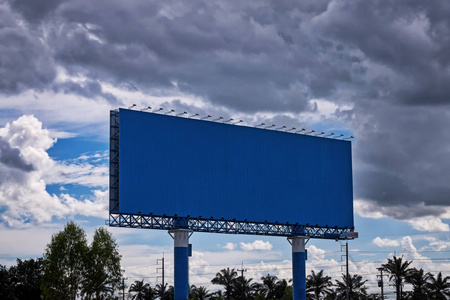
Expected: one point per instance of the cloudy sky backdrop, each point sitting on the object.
(378, 70)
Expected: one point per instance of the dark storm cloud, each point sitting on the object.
(389, 60)
(25, 61)
(12, 158)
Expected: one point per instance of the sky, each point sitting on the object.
(376, 70)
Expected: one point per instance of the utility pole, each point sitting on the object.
(346, 270)
(380, 283)
(123, 288)
(242, 276)
(162, 275)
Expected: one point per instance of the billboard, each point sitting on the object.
(176, 166)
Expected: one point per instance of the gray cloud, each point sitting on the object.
(11, 157)
(389, 60)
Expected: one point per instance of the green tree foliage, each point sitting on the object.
(226, 278)
(6, 291)
(26, 278)
(318, 284)
(272, 288)
(419, 280)
(64, 263)
(102, 274)
(355, 286)
(137, 289)
(243, 288)
(439, 287)
(200, 293)
(398, 271)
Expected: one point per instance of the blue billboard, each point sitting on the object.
(175, 166)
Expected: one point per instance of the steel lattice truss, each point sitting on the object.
(114, 162)
(226, 226)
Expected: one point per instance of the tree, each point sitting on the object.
(398, 271)
(227, 278)
(244, 288)
(64, 263)
(354, 285)
(439, 287)
(6, 291)
(26, 278)
(272, 288)
(318, 284)
(138, 289)
(167, 291)
(102, 273)
(419, 280)
(200, 293)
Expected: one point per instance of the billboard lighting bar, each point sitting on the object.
(273, 125)
(280, 128)
(148, 107)
(312, 131)
(240, 121)
(293, 128)
(301, 130)
(183, 113)
(194, 116)
(338, 136)
(219, 118)
(228, 121)
(157, 110)
(132, 106)
(262, 124)
(319, 134)
(348, 138)
(328, 135)
(169, 112)
(204, 118)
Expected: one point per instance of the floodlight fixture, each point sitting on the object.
(180, 114)
(279, 128)
(328, 135)
(219, 118)
(301, 130)
(348, 138)
(262, 124)
(158, 109)
(204, 118)
(148, 107)
(273, 125)
(169, 112)
(194, 115)
(319, 134)
(312, 131)
(132, 106)
(240, 121)
(287, 130)
(338, 136)
(228, 120)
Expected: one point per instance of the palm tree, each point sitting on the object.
(244, 288)
(354, 285)
(419, 281)
(227, 278)
(138, 288)
(272, 288)
(439, 287)
(200, 293)
(318, 284)
(163, 292)
(398, 270)
(150, 293)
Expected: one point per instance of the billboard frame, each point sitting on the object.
(164, 222)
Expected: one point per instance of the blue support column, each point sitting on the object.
(181, 278)
(298, 267)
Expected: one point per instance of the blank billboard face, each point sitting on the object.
(186, 167)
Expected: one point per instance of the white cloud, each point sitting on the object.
(23, 193)
(429, 223)
(256, 245)
(315, 253)
(385, 242)
(230, 246)
(367, 209)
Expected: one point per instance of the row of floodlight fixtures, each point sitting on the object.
(262, 125)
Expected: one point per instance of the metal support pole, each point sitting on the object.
(298, 267)
(346, 270)
(181, 278)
